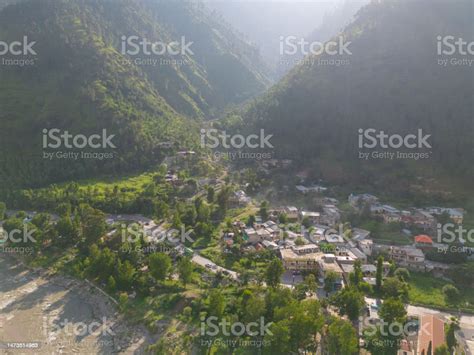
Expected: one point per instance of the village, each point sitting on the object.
(323, 243)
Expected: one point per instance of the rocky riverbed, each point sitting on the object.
(42, 314)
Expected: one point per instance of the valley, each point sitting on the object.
(190, 177)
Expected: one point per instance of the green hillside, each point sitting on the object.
(392, 82)
(79, 80)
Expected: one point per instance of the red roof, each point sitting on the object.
(431, 331)
(423, 239)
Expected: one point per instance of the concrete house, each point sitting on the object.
(313, 217)
(408, 256)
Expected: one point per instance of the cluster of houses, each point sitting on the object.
(424, 218)
(308, 189)
(172, 178)
(179, 157)
(268, 234)
(331, 252)
(316, 246)
(319, 247)
(266, 166)
(240, 198)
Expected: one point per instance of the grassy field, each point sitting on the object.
(128, 185)
(393, 239)
(386, 233)
(427, 290)
(125, 182)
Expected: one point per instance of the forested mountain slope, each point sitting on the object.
(80, 75)
(393, 80)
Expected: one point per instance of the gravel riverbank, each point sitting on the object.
(42, 314)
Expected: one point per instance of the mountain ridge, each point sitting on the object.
(391, 82)
(80, 81)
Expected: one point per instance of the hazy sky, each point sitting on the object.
(265, 21)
